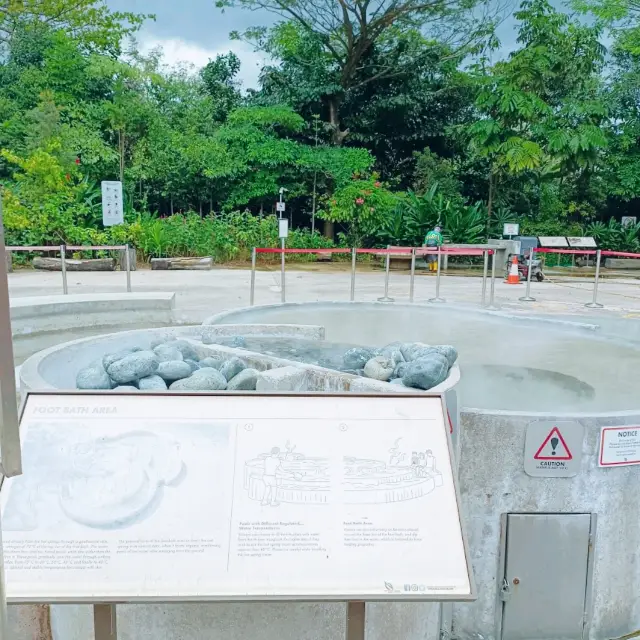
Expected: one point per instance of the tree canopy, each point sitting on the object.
(381, 117)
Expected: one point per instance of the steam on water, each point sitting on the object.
(505, 364)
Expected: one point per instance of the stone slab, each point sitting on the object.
(282, 379)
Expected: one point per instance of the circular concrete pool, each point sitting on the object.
(507, 364)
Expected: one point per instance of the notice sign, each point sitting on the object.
(511, 229)
(553, 449)
(112, 203)
(619, 446)
(557, 242)
(233, 497)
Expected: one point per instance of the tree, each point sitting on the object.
(355, 42)
(542, 109)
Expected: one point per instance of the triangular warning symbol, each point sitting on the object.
(554, 447)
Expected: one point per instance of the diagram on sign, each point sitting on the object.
(105, 483)
(554, 447)
(288, 476)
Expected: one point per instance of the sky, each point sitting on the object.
(195, 31)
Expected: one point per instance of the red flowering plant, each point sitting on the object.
(362, 204)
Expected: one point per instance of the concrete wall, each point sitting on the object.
(493, 482)
(57, 313)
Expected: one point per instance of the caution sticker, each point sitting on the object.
(553, 449)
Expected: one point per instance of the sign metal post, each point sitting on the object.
(283, 231)
(527, 296)
(10, 454)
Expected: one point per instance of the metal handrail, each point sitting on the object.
(62, 249)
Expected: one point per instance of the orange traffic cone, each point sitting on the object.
(514, 276)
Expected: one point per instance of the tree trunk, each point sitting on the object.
(337, 138)
(201, 208)
(171, 204)
(490, 202)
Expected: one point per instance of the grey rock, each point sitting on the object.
(126, 387)
(392, 351)
(186, 349)
(93, 377)
(231, 368)
(133, 367)
(397, 381)
(424, 352)
(214, 362)
(246, 380)
(168, 352)
(379, 368)
(173, 370)
(110, 358)
(193, 364)
(357, 357)
(449, 352)
(400, 370)
(202, 380)
(238, 341)
(426, 373)
(158, 341)
(408, 349)
(152, 383)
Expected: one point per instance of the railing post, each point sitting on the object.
(63, 268)
(253, 277)
(413, 274)
(386, 297)
(127, 262)
(485, 272)
(594, 304)
(354, 257)
(493, 283)
(438, 298)
(527, 296)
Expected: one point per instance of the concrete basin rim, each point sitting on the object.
(218, 318)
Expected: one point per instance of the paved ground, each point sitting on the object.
(203, 293)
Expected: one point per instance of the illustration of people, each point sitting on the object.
(272, 464)
(430, 461)
(273, 470)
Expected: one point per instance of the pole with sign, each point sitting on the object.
(283, 232)
(511, 229)
(112, 203)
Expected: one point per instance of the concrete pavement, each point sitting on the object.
(202, 293)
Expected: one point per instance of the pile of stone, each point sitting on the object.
(412, 364)
(173, 365)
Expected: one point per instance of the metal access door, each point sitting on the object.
(545, 588)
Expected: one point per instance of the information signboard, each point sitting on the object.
(112, 203)
(553, 242)
(283, 228)
(511, 229)
(582, 243)
(619, 446)
(144, 497)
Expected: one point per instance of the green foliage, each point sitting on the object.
(614, 237)
(362, 204)
(226, 237)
